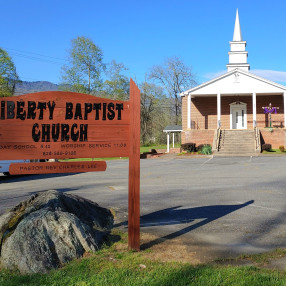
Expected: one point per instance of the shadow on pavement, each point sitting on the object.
(63, 190)
(21, 178)
(172, 216)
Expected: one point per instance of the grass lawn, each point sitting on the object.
(91, 159)
(147, 148)
(142, 150)
(274, 151)
(115, 265)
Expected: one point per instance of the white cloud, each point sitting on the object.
(276, 76)
(212, 75)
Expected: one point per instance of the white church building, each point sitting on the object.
(234, 102)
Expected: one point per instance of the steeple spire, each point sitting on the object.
(237, 53)
(237, 37)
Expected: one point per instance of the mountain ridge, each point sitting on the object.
(24, 87)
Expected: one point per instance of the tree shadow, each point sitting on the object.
(28, 194)
(174, 215)
(21, 178)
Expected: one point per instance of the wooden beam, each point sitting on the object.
(134, 170)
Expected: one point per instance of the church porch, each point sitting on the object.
(207, 113)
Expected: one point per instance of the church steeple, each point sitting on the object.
(237, 37)
(237, 54)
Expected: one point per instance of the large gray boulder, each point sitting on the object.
(50, 229)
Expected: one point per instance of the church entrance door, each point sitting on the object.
(238, 116)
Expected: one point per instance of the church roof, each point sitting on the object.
(173, 128)
(236, 82)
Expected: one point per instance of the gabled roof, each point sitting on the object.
(173, 128)
(236, 81)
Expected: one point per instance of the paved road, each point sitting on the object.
(217, 206)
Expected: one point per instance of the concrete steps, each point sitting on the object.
(237, 142)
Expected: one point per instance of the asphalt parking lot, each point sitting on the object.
(218, 207)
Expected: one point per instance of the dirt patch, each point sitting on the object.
(169, 250)
(175, 250)
(178, 250)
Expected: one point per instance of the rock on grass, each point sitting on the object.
(50, 229)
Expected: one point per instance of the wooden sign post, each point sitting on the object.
(134, 170)
(60, 125)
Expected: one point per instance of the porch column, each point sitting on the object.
(173, 140)
(284, 97)
(189, 111)
(168, 142)
(254, 109)
(218, 110)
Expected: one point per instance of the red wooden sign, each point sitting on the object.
(58, 125)
(56, 167)
(51, 125)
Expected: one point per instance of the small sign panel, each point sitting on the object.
(56, 167)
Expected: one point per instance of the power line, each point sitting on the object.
(35, 58)
(37, 54)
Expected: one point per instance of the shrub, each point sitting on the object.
(281, 148)
(267, 147)
(207, 149)
(189, 147)
(200, 147)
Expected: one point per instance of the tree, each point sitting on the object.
(175, 77)
(153, 117)
(117, 86)
(8, 75)
(83, 73)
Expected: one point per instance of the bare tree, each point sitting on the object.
(153, 117)
(175, 77)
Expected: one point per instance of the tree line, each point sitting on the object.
(86, 72)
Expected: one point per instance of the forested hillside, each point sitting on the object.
(24, 87)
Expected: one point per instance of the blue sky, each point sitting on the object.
(140, 34)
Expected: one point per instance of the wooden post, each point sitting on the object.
(168, 142)
(134, 170)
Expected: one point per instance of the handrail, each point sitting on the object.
(216, 140)
(257, 140)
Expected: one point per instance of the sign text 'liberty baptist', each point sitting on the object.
(64, 132)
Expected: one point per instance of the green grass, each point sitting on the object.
(106, 268)
(274, 151)
(265, 257)
(147, 148)
(142, 150)
(92, 159)
(115, 266)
